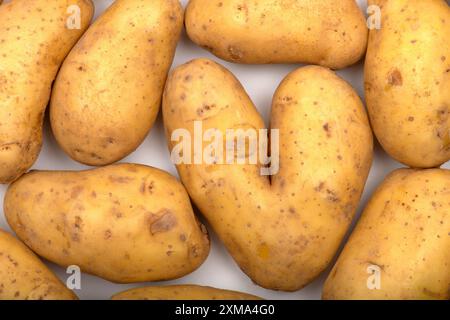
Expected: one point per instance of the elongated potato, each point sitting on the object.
(24, 277)
(282, 232)
(34, 39)
(403, 237)
(407, 77)
(125, 223)
(183, 292)
(329, 33)
(108, 92)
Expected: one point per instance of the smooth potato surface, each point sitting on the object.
(108, 92)
(405, 232)
(125, 223)
(328, 33)
(407, 81)
(183, 292)
(24, 277)
(282, 232)
(34, 40)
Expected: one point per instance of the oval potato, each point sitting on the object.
(124, 223)
(404, 237)
(328, 33)
(282, 232)
(407, 81)
(182, 292)
(108, 92)
(24, 277)
(34, 38)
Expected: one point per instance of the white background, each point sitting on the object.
(219, 270)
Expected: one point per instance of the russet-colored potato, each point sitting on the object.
(34, 40)
(404, 232)
(407, 80)
(24, 277)
(124, 223)
(328, 33)
(108, 92)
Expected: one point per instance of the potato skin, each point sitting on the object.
(24, 277)
(407, 76)
(183, 292)
(108, 92)
(328, 33)
(125, 223)
(282, 234)
(405, 231)
(34, 41)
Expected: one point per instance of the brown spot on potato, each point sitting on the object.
(235, 53)
(395, 78)
(76, 191)
(164, 223)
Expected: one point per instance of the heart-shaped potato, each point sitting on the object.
(283, 231)
(124, 223)
(35, 37)
(325, 32)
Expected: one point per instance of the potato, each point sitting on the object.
(407, 76)
(125, 223)
(108, 92)
(404, 236)
(34, 38)
(24, 277)
(183, 292)
(282, 231)
(328, 33)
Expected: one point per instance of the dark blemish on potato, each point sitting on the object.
(93, 194)
(76, 191)
(164, 223)
(443, 58)
(108, 234)
(182, 237)
(187, 78)
(410, 119)
(326, 127)
(395, 78)
(332, 196)
(235, 53)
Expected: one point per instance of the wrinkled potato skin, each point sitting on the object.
(407, 80)
(34, 40)
(24, 277)
(108, 92)
(124, 223)
(282, 234)
(405, 231)
(183, 292)
(327, 33)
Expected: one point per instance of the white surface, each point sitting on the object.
(219, 270)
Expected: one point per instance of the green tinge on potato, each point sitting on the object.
(404, 236)
(182, 292)
(407, 81)
(125, 223)
(324, 32)
(283, 231)
(24, 277)
(34, 40)
(108, 92)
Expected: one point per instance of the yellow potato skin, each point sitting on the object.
(24, 277)
(285, 232)
(328, 33)
(34, 40)
(183, 292)
(108, 92)
(405, 231)
(124, 223)
(407, 76)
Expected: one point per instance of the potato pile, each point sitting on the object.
(283, 220)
